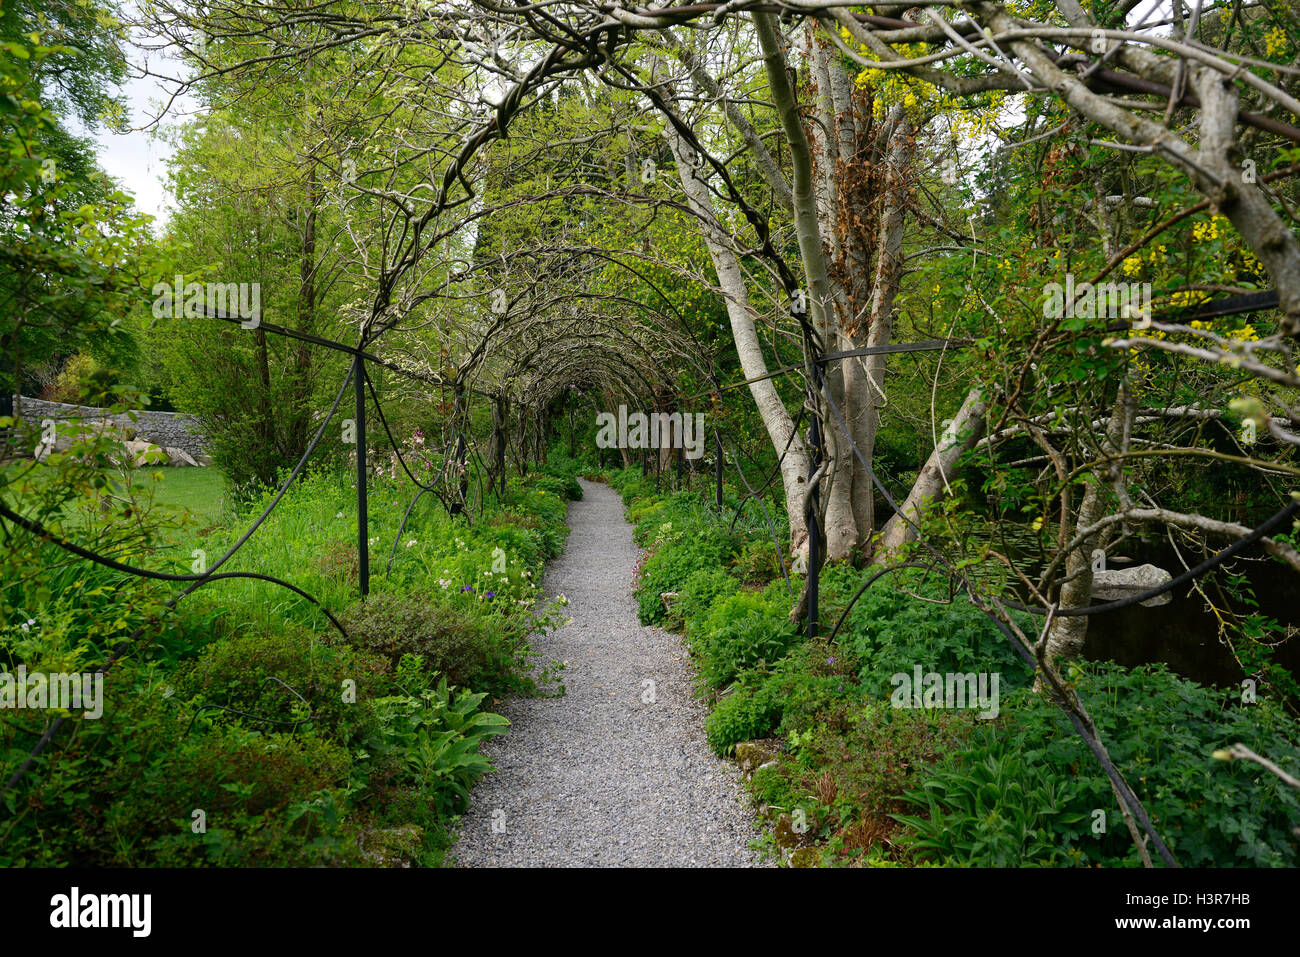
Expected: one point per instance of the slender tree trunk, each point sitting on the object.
(841, 531)
(966, 429)
(731, 280)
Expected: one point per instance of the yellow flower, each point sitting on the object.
(1275, 42)
(1132, 266)
(1210, 230)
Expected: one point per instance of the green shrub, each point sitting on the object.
(430, 740)
(890, 631)
(678, 554)
(741, 716)
(849, 760)
(286, 680)
(739, 604)
(255, 791)
(758, 640)
(996, 812)
(645, 511)
(758, 561)
(631, 484)
(700, 591)
(1161, 731)
(815, 683)
(470, 650)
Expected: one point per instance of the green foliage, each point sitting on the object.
(701, 590)
(999, 812)
(60, 218)
(816, 683)
(739, 717)
(252, 788)
(467, 648)
(738, 642)
(758, 561)
(1161, 731)
(303, 748)
(430, 740)
(677, 553)
(891, 631)
(564, 469)
(287, 680)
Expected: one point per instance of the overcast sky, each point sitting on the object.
(138, 159)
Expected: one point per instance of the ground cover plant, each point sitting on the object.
(248, 731)
(868, 783)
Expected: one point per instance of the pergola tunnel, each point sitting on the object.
(906, 395)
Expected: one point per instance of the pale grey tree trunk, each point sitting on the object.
(841, 530)
(966, 429)
(731, 280)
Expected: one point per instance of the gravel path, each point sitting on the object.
(604, 776)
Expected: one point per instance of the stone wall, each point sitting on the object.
(165, 429)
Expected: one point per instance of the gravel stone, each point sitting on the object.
(602, 777)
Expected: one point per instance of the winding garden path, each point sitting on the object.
(604, 776)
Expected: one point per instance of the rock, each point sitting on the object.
(751, 756)
(179, 456)
(142, 454)
(69, 432)
(805, 857)
(785, 834)
(1116, 583)
(394, 846)
(164, 429)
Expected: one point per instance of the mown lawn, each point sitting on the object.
(191, 495)
(201, 491)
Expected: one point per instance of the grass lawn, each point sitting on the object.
(201, 491)
(197, 495)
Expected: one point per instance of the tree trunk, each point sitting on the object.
(965, 430)
(776, 418)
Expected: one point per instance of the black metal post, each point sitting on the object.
(462, 444)
(814, 508)
(458, 405)
(363, 540)
(718, 468)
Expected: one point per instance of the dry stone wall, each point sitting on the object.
(165, 429)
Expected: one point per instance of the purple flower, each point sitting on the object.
(491, 594)
(830, 661)
(467, 588)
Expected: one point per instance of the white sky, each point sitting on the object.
(137, 159)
